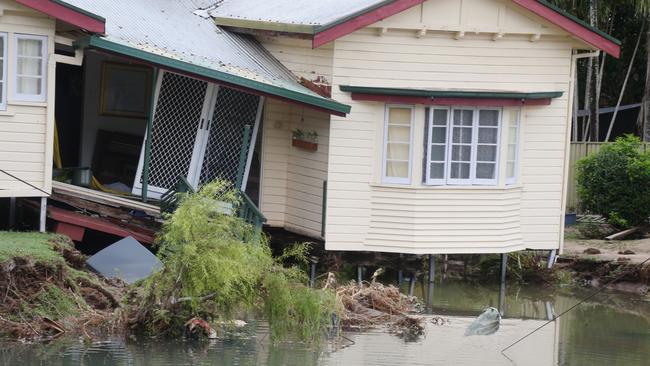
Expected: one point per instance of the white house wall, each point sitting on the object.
(292, 179)
(26, 128)
(364, 214)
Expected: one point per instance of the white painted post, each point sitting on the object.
(12, 212)
(43, 216)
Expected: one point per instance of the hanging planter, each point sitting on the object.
(306, 141)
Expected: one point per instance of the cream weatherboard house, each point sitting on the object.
(443, 125)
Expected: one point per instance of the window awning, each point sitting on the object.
(450, 97)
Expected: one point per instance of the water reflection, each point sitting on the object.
(610, 330)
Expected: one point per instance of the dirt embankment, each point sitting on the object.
(45, 292)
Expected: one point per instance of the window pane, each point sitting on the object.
(397, 169)
(437, 171)
(439, 117)
(510, 169)
(485, 171)
(438, 152)
(438, 135)
(461, 153)
(397, 152)
(28, 85)
(486, 153)
(487, 135)
(512, 135)
(30, 47)
(399, 134)
(467, 119)
(460, 170)
(399, 116)
(2, 46)
(488, 118)
(512, 152)
(29, 66)
(462, 135)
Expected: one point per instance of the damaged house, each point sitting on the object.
(409, 126)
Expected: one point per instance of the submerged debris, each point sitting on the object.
(487, 323)
(373, 304)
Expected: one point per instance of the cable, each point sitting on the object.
(574, 306)
(20, 180)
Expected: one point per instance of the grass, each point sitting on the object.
(38, 246)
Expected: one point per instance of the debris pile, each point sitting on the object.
(45, 294)
(371, 304)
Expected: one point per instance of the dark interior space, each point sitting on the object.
(68, 111)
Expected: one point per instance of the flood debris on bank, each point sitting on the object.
(371, 304)
(45, 291)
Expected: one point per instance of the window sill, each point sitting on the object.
(448, 187)
(27, 104)
(7, 113)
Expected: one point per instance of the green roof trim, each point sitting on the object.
(80, 10)
(316, 101)
(449, 93)
(579, 21)
(263, 25)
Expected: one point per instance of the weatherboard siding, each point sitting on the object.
(364, 214)
(26, 129)
(292, 179)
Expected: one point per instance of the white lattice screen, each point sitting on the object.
(197, 132)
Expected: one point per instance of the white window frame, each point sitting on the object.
(436, 181)
(5, 50)
(513, 180)
(472, 180)
(30, 97)
(384, 177)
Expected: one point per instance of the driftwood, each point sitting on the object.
(623, 234)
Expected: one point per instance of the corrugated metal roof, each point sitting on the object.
(311, 13)
(171, 29)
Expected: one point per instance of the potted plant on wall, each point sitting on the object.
(304, 140)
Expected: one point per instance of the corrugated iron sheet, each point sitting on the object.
(170, 28)
(298, 12)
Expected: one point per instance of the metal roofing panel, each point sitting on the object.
(299, 12)
(170, 28)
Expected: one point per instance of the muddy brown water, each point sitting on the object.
(610, 329)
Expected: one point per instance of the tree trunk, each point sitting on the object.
(594, 118)
(645, 107)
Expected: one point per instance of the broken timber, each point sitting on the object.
(623, 234)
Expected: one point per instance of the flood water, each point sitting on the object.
(610, 329)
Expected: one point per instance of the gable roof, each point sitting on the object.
(168, 33)
(68, 13)
(327, 20)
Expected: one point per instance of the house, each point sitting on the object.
(443, 125)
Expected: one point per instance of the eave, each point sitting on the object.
(68, 13)
(219, 77)
(450, 97)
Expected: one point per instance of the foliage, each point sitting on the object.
(592, 230)
(615, 182)
(299, 134)
(216, 267)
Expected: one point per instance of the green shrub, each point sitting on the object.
(217, 268)
(615, 182)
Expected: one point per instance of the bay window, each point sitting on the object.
(462, 146)
(31, 63)
(398, 134)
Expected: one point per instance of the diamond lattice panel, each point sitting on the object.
(232, 111)
(175, 125)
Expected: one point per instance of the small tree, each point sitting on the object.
(615, 182)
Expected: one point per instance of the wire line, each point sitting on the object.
(20, 180)
(574, 306)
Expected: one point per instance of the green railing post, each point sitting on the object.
(147, 142)
(324, 209)
(243, 155)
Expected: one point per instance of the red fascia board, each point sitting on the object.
(66, 14)
(93, 223)
(571, 27)
(479, 102)
(362, 20)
